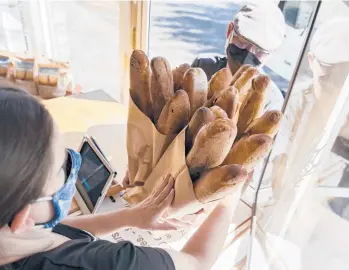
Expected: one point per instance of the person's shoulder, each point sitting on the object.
(210, 63)
(210, 58)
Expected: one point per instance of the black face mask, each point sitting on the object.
(238, 57)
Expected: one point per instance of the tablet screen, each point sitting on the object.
(92, 177)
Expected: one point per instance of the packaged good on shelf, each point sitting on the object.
(5, 65)
(48, 81)
(24, 69)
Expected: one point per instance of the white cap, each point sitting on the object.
(263, 24)
(330, 43)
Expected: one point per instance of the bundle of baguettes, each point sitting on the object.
(217, 130)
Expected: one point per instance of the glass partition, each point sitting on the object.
(303, 221)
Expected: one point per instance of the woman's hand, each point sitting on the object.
(149, 213)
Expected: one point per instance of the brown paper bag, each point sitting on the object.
(142, 136)
(173, 162)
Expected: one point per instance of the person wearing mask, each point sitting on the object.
(37, 184)
(253, 35)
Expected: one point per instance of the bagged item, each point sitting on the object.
(48, 80)
(4, 66)
(24, 69)
(65, 77)
(173, 162)
(142, 134)
(195, 155)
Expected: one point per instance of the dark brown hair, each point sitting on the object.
(26, 130)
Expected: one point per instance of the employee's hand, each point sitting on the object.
(149, 213)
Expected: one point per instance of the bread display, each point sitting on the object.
(249, 150)
(238, 73)
(140, 82)
(219, 81)
(175, 115)
(178, 74)
(219, 182)
(252, 107)
(267, 124)
(211, 146)
(195, 84)
(161, 84)
(219, 112)
(201, 117)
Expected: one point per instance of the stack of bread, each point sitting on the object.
(210, 134)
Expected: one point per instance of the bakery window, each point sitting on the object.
(82, 34)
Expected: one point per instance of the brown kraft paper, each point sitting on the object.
(173, 162)
(142, 137)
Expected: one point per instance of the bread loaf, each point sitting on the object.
(219, 182)
(161, 85)
(243, 83)
(211, 146)
(249, 150)
(267, 124)
(178, 74)
(219, 112)
(228, 100)
(195, 84)
(140, 82)
(252, 107)
(201, 117)
(238, 73)
(175, 115)
(219, 81)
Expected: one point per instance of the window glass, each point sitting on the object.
(305, 217)
(83, 33)
(180, 31)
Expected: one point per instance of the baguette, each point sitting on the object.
(195, 84)
(249, 150)
(228, 100)
(178, 74)
(243, 83)
(238, 73)
(252, 107)
(175, 115)
(219, 81)
(219, 112)
(211, 146)
(219, 182)
(267, 124)
(161, 85)
(140, 82)
(201, 117)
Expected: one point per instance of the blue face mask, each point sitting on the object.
(62, 199)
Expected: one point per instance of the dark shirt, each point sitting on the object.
(210, 63)
(85, 251)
